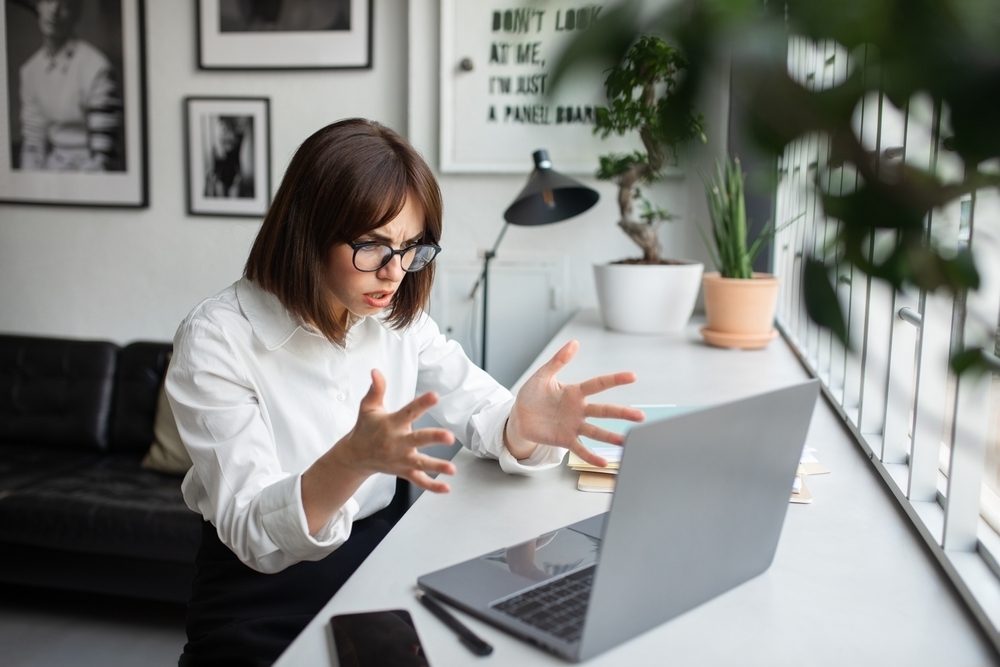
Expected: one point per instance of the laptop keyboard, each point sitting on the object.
(557, 607)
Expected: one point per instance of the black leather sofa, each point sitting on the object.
(76, 509)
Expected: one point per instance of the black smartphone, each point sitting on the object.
(377, 639)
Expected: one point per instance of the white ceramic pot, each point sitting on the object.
(647, 298)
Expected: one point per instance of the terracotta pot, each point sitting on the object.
(739, 313)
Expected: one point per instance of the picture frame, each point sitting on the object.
(496, 105)
(73, 105)
(250, 36)
(228, 155)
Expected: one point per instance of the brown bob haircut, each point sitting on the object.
(344, 181)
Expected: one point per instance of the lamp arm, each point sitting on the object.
(487, 256)
(503, 230)
(483, 277)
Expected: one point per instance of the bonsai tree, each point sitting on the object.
(640, 92)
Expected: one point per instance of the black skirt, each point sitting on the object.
(238, 616)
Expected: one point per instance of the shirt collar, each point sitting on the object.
(63, 55)
(270, 320)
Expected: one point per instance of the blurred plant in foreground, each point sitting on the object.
(947, 51)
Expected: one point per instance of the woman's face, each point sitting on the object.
(366, 293)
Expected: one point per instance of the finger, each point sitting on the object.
(587, 455)
(603, 382)
(426, 483)
(602, 435)
(434, 465)
(412, 411)
(561, 358)
(608, 411)
(373, 399)
(423, 437)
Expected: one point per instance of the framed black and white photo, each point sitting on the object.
(228, 155)
(72, 113)
(496, 102)
(284, 34)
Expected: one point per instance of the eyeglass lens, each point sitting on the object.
(373, 256)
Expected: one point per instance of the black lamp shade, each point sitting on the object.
(549, 196)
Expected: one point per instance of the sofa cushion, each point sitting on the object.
(109, 507)
(141, 367)
(21, 465)
(167, 453)
(56, 393)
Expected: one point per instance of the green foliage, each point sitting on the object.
(730, 230)
(821, 299)
(947, 51)
(975, 360)
(642, 96)
(615, 165)
(649, 212)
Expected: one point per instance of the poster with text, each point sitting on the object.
(496, 108)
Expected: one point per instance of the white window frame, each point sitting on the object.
(891, 388)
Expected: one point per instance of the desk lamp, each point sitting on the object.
(547, 197)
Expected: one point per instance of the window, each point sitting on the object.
(934, 437)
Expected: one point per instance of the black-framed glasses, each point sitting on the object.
(373, 255)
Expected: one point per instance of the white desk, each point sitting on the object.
(851, 583)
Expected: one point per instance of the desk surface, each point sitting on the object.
(851, 581)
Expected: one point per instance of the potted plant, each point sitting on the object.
(648, 294)
(739, 303)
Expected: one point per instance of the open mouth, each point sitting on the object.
(378, 299)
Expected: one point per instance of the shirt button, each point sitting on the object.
(340, 396)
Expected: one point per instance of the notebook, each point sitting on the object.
(665, 546)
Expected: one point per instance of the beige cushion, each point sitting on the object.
(167, 453)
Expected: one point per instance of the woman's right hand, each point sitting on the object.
(386, 442)
(380, 441)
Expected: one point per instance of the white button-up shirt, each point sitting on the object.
(258, 397)
(70, 108)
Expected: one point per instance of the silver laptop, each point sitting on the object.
(698, 507)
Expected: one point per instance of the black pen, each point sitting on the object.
(469, 638)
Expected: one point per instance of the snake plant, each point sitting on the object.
(727, 208)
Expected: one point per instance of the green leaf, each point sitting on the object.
(713, 253)
(974, 360)
(821, 299)
(866, 208)
(973, 106)
(602, 45)
(961, 271)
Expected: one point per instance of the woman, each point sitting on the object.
(295, 389)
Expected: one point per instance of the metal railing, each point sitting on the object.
(926, 431)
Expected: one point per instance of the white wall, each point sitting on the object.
(474, 204)
(133, 274)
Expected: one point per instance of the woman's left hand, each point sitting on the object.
(546, 411)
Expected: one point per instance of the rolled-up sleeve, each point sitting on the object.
(33, 121)
(471, 403)
(254, 504)
(104, 113)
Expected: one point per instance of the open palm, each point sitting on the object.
(549, 412)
